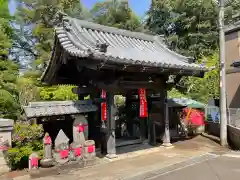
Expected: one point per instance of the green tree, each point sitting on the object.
(190, 26)
(205, 88)
(36, 19)
(9, 107)
(40, 16)
(115, 13)
(57, 93)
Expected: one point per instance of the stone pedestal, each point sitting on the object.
(89, 153)
(6, 127)
(111, 138)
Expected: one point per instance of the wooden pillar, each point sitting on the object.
(111, 138)
(129, 114)
(151, 125)
(80, 97)
(143, 129)
(166, 137)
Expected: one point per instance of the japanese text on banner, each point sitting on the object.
(142, 103)
(103, 107)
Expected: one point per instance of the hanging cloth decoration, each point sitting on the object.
(103, 106)
(142, 103)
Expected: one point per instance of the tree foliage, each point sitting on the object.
(26, 139)
(57, 93)
(203, 89)
(116, 14)
(37, 20)
(191, 28)
(9, 107)
(40, 16)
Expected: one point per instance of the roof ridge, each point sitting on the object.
(113, 30)
(59, 103)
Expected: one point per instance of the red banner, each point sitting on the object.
(142, 103)
(103, 107)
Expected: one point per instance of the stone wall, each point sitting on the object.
(234, 137)
(6, 127)
(213, 128)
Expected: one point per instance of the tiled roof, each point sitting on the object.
(232, 27)
(51, 108)
(79, 38)
(180, 102)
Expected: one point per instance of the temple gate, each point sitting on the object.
(138, 66)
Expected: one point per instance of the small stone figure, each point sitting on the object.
(78, 133)
(76, 152)
(47, 160)
(61, 148)
(89, 150)
(33, 161)
(80, 129)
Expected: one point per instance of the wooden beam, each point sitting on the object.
(84, 90)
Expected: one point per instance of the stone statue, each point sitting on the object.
(76, 153)
(33, 161)
(80, 129)
(89, 150)
(61, 148)
(47, 160)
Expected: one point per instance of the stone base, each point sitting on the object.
(111, 156)
(167, 145)
(46, 163)
(3, 166)
(90, 162)
(4, 169)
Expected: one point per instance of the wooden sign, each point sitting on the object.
(142, 103)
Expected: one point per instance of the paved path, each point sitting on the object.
(153, 164)
(137, 166)
(215, 168)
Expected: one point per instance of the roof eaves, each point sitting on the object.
(232, 27)
(43, 76)
(70, 47)
(158, 41)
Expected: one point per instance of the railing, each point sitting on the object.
(212, 114)
(233, 128)
(233, 115)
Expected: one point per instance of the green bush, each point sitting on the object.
(26, 139)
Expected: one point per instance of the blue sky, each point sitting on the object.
(138, 6)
